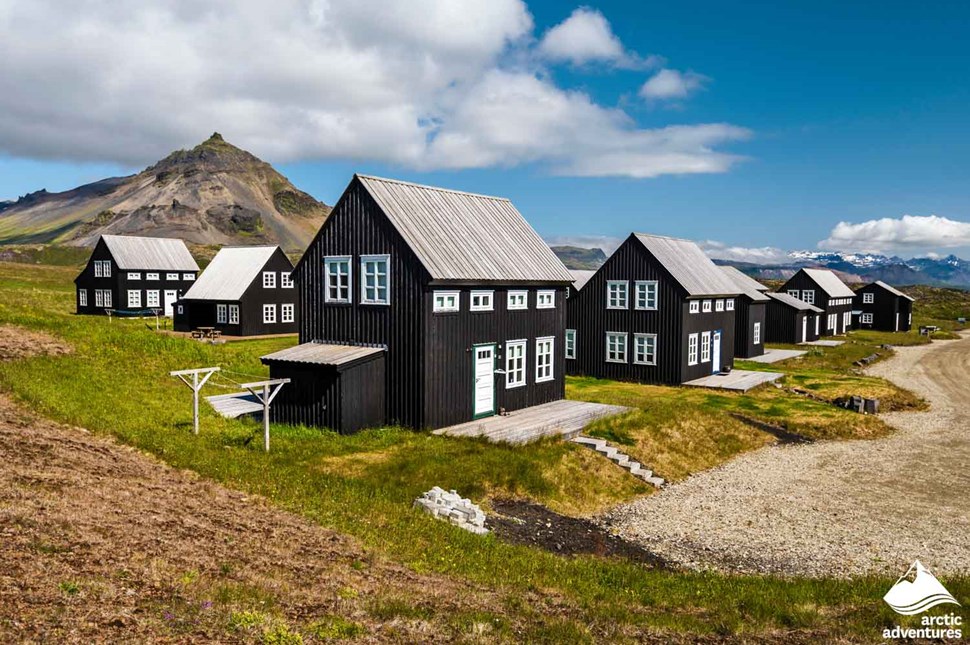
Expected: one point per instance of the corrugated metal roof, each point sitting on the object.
(581, 277)
(748, 285)
(830, 283)
(689, 266)
(315, 353)
(463, 236)
(894, 290)
(794, 302)
(230, 273)
(159, 253)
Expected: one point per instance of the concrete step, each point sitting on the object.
(620, 459)
(656, 482)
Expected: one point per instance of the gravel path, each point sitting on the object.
(834, 508)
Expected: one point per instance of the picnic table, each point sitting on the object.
(206, 332)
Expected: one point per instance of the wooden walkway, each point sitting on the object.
(774, 355)
(559, 418)
(736, 380)
(826, 343)
(235, 405)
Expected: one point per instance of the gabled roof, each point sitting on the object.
(748, 285)
(893, 290)
(466, 237)
(793, 302)
(581, 277)
(150, 253)
(689, 266)
(829, 283)
(316, 353)
(230, 273)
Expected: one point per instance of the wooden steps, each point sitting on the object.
(620, 459)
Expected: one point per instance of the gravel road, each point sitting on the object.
(834, 508)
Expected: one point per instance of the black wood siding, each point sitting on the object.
(802, 282)
(784, 324)
(747, 313)
(884, 309)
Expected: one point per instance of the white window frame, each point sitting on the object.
(729, 304)
(134, 275)
(515, 360)
(866, 319)
(222, 314)
(98, 273)
(868, 298)
(153, 298)
(617, 291)
(795, 293)
(808, 295)
(337, 261)
(286, 280)
(570, 343)
(719, 305)
(151, 276)
(444, 307)
(108, 298)
(517, 300)
(756, 333)
(647, 289)
(134, 298)
(269, 314)
(692, 342)
(486, 301)
(621, 338)
(377, 300)
(546, 299)
(287, 312)
(706, 306)
(179, 309)
(82, 297)
(171, 276)
(545, 371)
(833, 322)
(102, 268)
(847, 319)
(233, 314)
(641, 339)
(188, 277)
(269, 279)
(706, 347)
(695, 306)
(98, 297)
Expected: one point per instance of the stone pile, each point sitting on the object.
(449, 505)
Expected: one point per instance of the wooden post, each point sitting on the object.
(195, 385)
(265, 392)
(266, 417)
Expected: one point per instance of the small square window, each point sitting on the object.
(808, 295)
(134, 298)
(233, 314)
(695, 306)
(338, 279)
(645, 349)
(646, 294)
(286, 280)
(134, 275)
(706, 306)
(286, 313)
(482, 300)
(171, 276)
(222, 314)
(446, 301)
(718, 305)
(545, 299)
(152, 298)
(518, 300)
(868, 298)
(375, 287)
(729, 304)
(615, 347)
(151, 276)
(617, 294)
(269, 314)
(188, 277)
(269, 279)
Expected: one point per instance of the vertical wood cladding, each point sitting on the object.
(746, 314)
(671, 322)
(784, 324)
(802, 282)
(884, 309)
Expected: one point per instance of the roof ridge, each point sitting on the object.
(666, 237)
(435, 188)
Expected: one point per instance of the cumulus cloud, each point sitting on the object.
(905, 233)
(419, 83)
(755, 255)
(587, 37)
(668, 84)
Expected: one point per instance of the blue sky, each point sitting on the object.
(853, 112)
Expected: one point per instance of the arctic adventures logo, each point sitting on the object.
(915, 592)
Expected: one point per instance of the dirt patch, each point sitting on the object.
(17, 342)
(535, 525)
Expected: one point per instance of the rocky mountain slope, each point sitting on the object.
(214, 193)
(575, 257)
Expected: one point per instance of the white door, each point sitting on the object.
(804, 329)
(484, 380)
(170, 297)
(716, 352)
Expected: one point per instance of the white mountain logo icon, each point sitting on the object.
(914, 597)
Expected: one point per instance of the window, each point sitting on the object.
(866, 319)
(188, 277)
(446, 301)
(151, 276)
(337, 270)
(706, 347)
(107, 298)
(482, 300)
(545, 299)
(374, 274)
(615, 347)
(286, 280)
(269, 279)
(134, 298)
(82, 297)
(729, 304)
(518, 300)
(233, 314)
(286, 313)
(98, 272)
(171, 276)
(868, 298)
(222, 314)
(570, 343)
(152, 298)
(616, 294)
(706, 306)
(695, 306)
(544, 359)
(808, 295)
(645, 349)
(102, 297)
(646, 294)
(692, 349)
(847, 319)
(795, 293)
(718, 305)
(134, 275)
(180, 310)
(757, 333)
(269, 314)
(102, 268)
(833, 321)
(514, 363)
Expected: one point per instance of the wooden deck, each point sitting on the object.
(736, 380)
(559, 418)
(235, 405)
(775, 355)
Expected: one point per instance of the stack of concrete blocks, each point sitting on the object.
(449, 505)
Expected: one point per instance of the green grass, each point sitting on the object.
(116, 383)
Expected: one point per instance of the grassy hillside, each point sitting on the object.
(575, 257)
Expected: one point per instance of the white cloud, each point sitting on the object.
(587, 37)
(670, 84)
(905, 233)
(419, 83)
(755, 255)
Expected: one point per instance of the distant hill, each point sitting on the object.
(575, 257)
(214, 193)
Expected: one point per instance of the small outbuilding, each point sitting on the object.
(883, 307)
(824, 289)
(750, 314)
(791, 320)
(245, 291)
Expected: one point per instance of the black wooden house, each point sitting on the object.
(580, 278)
(822, 288)
(455, 302)
(134, 275)
(245, 291)
(883, 307)
(658, 311)
(792, 320)
(750, 313)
